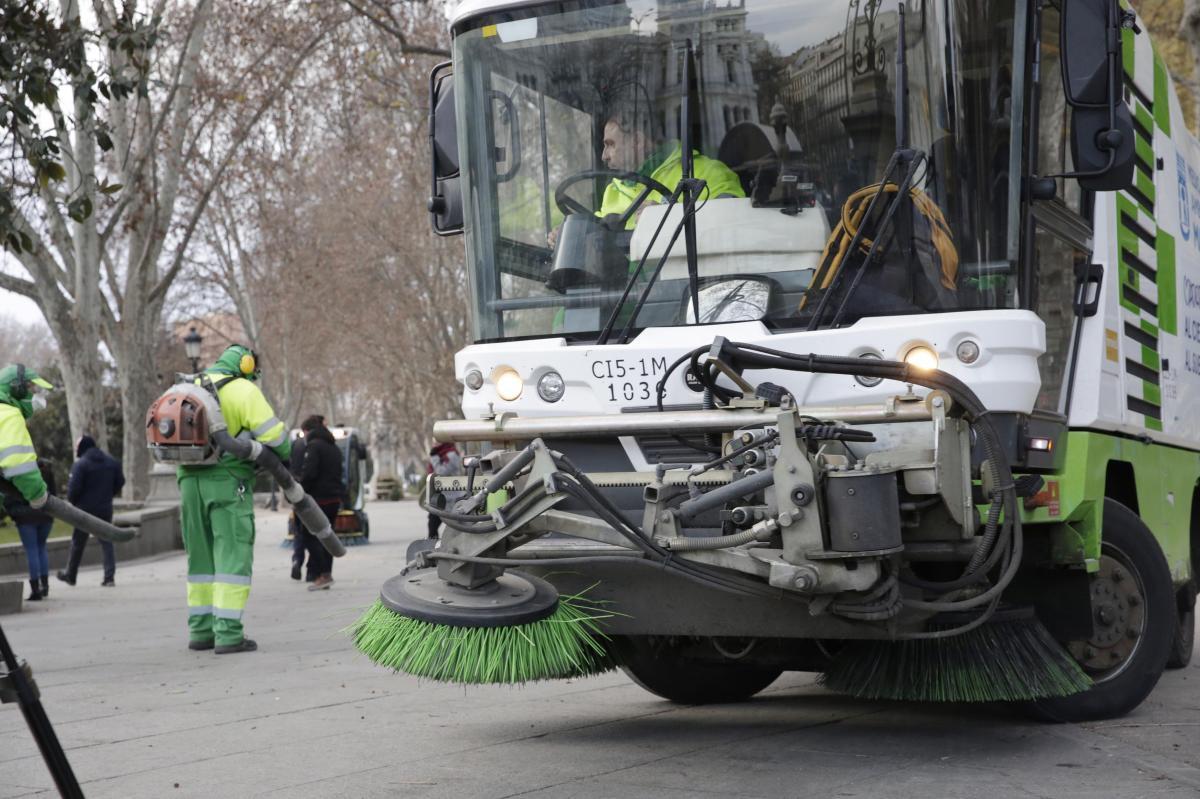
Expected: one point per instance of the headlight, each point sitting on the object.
(508, 383)
(474, 380)
(869, 382)
(551, 387)
(921, 357)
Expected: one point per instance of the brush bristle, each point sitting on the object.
(565, 644)
(1004, 661)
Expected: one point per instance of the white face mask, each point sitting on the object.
(39, 402)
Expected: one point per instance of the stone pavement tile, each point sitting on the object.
(972, 781)
(29, 773)
(385, 782)
(600, 789)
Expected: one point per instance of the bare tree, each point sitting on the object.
(396, 18)
(105, 278)
(321, 242)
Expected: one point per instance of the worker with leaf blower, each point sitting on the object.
(218, 508)
(20, 397)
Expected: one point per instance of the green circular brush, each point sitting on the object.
(514, 629)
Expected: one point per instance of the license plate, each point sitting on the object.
(629, 379)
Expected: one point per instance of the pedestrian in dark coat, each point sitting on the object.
(323, 480)
(96, 478)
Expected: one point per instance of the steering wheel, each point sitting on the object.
(568, 205)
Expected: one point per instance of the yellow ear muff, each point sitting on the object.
(247, 364)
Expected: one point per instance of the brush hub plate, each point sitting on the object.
(512, 598)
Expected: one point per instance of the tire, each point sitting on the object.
(1133, 590)
(1185, 631)
(659, 665)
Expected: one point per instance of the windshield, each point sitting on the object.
(572, 118)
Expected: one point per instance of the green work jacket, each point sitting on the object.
(18, 461)
(666, 167)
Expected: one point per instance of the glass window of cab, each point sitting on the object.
(578, 109)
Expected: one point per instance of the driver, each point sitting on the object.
(627, 149)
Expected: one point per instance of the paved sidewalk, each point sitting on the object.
(140, 716)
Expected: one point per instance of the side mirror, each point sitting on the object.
(1101, 123)
(445, 198)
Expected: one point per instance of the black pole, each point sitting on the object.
(39, 723)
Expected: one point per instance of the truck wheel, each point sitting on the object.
(1134, 624)
(659, 665)
(1185, 632)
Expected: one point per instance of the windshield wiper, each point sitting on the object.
(690, 189)
(690, 101)
(898, 209)
(637, 272)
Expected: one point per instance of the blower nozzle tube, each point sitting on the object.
(81, 520)
(307, 510)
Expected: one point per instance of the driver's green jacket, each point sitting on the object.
(666, 167)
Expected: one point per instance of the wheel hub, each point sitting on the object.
(1118, 613)
(512, 598)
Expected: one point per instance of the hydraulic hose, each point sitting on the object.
(1005, 542)
(307, 510)
(66, 512)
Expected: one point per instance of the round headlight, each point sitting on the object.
(166, 427)
(967, 351)
(921, 357)
(508, 383)
(869, 382)
(474, 380)
(551, 387)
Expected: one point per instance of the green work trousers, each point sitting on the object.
(218, 534)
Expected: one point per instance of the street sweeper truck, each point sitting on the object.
(849, 336)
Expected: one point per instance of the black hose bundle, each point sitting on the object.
(1001, 544)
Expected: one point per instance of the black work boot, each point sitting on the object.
(45, 585)
(69, 579)
(245, 645)
(35, 593)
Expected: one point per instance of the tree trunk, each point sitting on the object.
(138, 380)
(83, 381)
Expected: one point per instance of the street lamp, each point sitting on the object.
(191, 345)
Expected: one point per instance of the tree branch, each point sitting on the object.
(202, 202)
(391, 27)
(17, 285)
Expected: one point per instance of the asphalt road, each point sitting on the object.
(141, 716)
